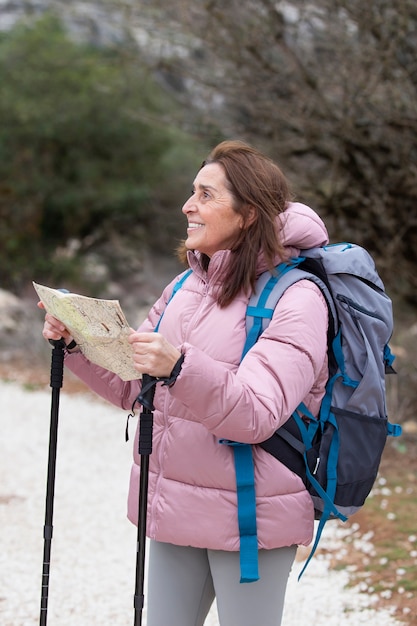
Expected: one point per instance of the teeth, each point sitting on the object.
(193, 225)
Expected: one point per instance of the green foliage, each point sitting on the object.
(84, 151)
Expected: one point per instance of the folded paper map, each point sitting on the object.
(98, 326)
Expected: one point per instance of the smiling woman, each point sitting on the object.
(240, 223)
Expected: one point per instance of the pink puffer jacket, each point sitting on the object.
(192, 492)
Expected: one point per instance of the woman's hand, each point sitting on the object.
(153, 354)
(54, 329)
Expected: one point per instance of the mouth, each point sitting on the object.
(194, 226)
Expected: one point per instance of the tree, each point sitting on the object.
(86, 150)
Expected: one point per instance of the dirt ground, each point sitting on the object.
(390, 516)
(389, 564)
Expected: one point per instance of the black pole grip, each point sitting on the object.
(57, 363)
(145, 433)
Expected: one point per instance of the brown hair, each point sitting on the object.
(258, 184)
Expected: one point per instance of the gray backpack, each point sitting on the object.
(338, 454)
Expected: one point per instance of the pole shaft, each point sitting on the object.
(145, 450)
(57, 368)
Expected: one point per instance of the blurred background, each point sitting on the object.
(107, 109)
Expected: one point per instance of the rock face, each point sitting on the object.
(85, 20)
(12, 315)
(20, 328)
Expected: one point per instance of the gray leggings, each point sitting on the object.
(183, 582)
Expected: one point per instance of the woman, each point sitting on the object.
(240, 223)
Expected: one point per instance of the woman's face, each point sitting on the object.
(212, 223)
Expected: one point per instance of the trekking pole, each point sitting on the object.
(145, 449)
(57, 373)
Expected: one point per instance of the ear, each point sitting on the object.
(251, 216)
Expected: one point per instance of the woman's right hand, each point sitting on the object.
(54, 329)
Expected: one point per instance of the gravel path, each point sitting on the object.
(93, 550)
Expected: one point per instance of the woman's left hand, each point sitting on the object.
(153, 354)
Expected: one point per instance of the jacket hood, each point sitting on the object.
(301, 227)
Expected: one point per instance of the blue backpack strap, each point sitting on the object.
(257, 308)
(394, 430)
(389, 358)
(326, 415)
(307, 433)
(243, 458)
(260, 309)
(177, 286)
(246, 507)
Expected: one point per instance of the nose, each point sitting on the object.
(189, 205)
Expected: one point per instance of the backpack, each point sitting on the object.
(337, 455)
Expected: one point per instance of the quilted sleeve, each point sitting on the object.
(277, 374)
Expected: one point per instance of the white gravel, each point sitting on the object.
(92, 574)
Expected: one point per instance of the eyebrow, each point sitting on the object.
(201, 186)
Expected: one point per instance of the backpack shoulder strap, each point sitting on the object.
(177, 286)
(269, 289)
(261, 307)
